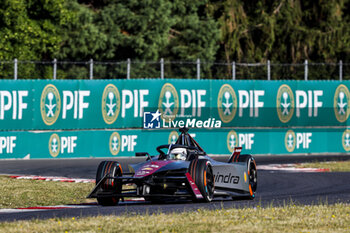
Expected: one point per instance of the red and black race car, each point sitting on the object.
(181, 171)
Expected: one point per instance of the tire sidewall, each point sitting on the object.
(200, 168)
(252, 185)
(112, 168)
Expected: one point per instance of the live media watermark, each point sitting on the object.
(154, 120)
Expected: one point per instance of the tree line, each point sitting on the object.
(285, 31)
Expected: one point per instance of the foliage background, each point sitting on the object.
(285, 31)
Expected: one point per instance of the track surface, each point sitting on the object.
(274, 187)
(86, 168)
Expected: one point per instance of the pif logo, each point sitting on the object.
(168, 103)
(245, 140)
(232, 140)
(285, 103)
(114, 143)
(346, 140)
(289, 141)
(54, 145)
(50, 104)
(173, 136)
(341, 103)
(7, 144)
(227, 103)
(110, 104)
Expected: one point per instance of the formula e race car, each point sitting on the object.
(183, 171)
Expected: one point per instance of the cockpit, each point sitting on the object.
(185, 148)
(178, 154)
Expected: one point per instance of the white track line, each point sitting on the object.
(289, 168)
(60, 207)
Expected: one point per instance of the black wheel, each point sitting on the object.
(253, 177)
(252, 172)
(114, 169)
(201, 172)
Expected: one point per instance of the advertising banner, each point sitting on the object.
(111, 118)
(116, 143)
(120, 104)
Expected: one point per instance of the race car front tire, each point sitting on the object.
(201, 172)
(112, 168)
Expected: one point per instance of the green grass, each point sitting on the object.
(291, 218)
(27, 193)
(336, 166)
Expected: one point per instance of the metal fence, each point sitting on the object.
(133, 69)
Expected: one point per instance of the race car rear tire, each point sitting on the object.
(112, 168)
(251, 171)
(202, 174)
(253, 176)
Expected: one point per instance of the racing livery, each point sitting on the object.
(181, 171)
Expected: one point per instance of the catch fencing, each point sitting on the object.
(165, 69)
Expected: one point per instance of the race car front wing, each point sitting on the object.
(153, 186)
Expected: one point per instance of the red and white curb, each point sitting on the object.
(53, 178)
(42, 208)
(290, 168)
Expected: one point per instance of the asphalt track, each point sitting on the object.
(86, 168)
(274, 188)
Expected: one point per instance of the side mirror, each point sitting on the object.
(139, 154)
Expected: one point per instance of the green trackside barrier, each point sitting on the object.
(116, 143)
(104, 118)
(119, 104)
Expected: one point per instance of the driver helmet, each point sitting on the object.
(178, 154)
